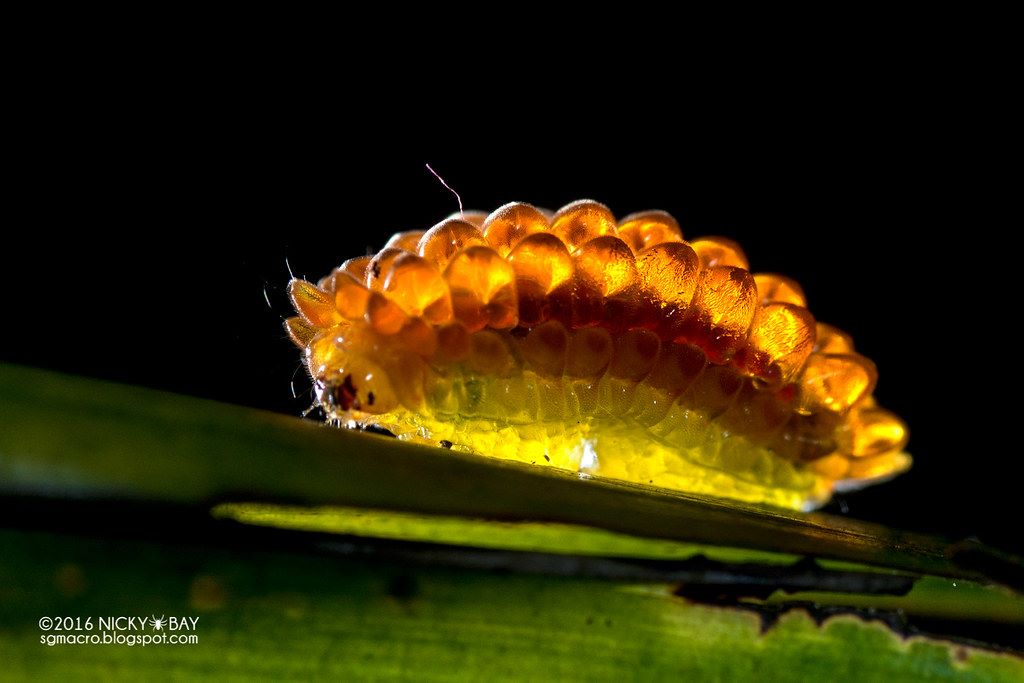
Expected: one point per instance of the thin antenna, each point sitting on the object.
(461, 212)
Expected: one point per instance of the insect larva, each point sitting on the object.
(609, 347)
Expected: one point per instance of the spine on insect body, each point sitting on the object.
(611, 346)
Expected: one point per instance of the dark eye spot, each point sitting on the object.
(445, 443)
(369, 399)
(376, 429)
(344, 395)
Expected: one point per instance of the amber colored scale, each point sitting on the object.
(611, 347)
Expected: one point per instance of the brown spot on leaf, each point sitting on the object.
(207, 594)
(70, 580)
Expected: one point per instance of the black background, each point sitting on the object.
(145, 239)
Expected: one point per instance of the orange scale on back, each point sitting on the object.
(418, 288)
(379, 267)
(871, 431)
(357, 267)
(510, 224)
(581, 221)
(542, 258)
(439, 244)
(408, 240)
(607, 263)
(326, 283)
(720, 251)
(723, 310)
(879, 466)
(649, 228)
(471, 216)
(314, 304)
(483, 290)
(669, 273)
(544, 277)
(781, 339)
(606, 284)
(350, 296)
(831, 339)
(300, 331)
(773, 288)
(835, 381)
(384, 315)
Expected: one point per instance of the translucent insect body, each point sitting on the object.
(601, 346)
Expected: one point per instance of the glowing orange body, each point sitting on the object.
(621, 326)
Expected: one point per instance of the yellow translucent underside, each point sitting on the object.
(594, 429)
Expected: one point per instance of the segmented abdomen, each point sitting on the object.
(620, 321)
